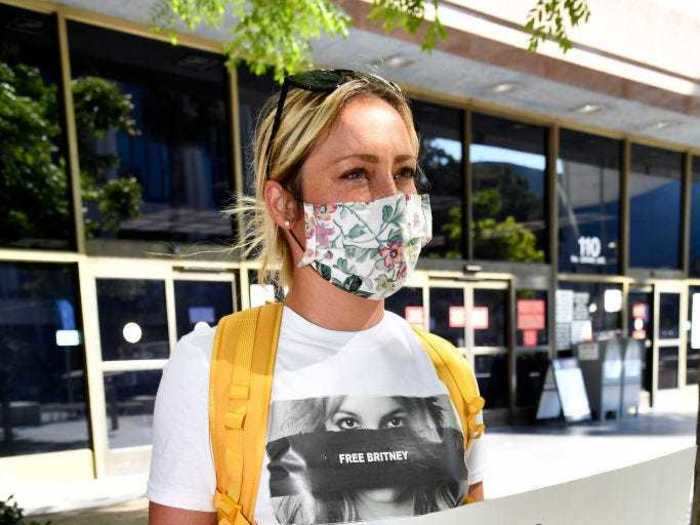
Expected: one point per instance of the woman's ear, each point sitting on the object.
(280, 204)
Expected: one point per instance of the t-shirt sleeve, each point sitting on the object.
(182, 471)
(476, 457)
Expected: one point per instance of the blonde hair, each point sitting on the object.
(306, 118)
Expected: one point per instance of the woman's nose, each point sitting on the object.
(384, 185)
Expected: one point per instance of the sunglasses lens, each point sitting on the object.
(319, 80)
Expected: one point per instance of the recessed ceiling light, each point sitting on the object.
(196, 62)
(588, 108)
(504, 87)
(662, 124)
(394, 61)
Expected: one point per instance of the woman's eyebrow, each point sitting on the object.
(368, 157)
(346, 413)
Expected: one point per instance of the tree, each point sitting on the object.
(277, 35)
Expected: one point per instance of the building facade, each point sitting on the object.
(565, 193)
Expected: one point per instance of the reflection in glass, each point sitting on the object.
(668, 367)
(489, 318)
(35, 204)
(441, 152)
(42, 362)
(408, 303)
(640, 320)
(531, 318)
(508, 170)
(531, 370)
(133, 320)
(253, 90)
(669, 315)
(655, 207)
(201, 302)
(152, 123)
(695, 219)
(129, 401)
(447, 314)
(588, 189)
(587, 311)
(492, 376)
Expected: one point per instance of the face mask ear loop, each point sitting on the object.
(296, 240)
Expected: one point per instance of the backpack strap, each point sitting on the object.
(456, 373)
(243, 358)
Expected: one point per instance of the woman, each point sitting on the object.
(338, 221)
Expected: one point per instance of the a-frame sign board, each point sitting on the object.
(564, 392)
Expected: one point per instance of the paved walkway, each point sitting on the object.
(519, 459)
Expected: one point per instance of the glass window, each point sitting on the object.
(655, 207)
(43, 390)
(668, 367)
(201, 302)
(695, 219)
(588, 188)
(253, 90)
(531, 371)
(35, 203)
(489, 317)
(441, 131)
(408, 303)
(508, 172)
(492, 376)
(531, 318)
(447, 314)
(129, 401)
(587, 312)
(153, 137)
(133, 320)
(669, 315)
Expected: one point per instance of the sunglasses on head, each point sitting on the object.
(319, 80)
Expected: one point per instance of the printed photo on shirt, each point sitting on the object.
(355, 458)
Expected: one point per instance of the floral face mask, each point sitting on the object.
(367, 249)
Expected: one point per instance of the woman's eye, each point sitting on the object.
(347, 423)
(394, 422)
(355, 174)
(407, 173)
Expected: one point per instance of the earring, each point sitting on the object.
(287, 224)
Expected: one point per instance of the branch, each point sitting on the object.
(550, 19)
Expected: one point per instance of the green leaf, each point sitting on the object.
(387, 212)
(325, 271)
(356, 231)
(342, 264)
(352, 283)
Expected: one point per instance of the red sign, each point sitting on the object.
(480, 317)
(530, 338)
(640, 311)
(456, 317)
(414, 314)
(531, 314)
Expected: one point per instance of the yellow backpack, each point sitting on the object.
(243, 360)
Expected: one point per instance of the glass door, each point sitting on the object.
(669, 335)
(474, 317)
(692, 362)
(138, 310)
(640, 326)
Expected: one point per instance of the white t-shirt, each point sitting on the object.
(353, 415)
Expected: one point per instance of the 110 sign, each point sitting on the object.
(589, 249)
